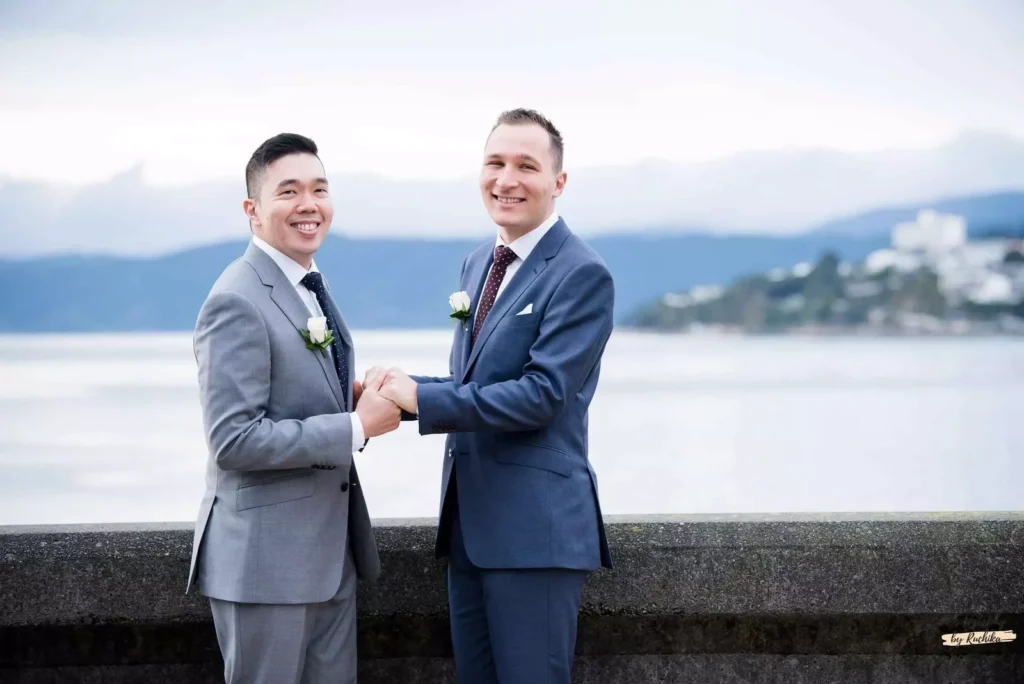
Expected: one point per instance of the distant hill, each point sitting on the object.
(405, 283)
(831, 296)
(379, 283)
(984, 214)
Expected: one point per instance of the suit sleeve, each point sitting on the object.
(427, 379)
(421, 380)
(572, 336)
(233, 353)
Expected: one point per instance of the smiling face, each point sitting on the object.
(519, 181)
(292, 211)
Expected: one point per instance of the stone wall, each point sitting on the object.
(817, 598)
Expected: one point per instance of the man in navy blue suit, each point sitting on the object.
(520, 520)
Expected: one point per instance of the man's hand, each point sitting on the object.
(357, 391)
(377, 414)
(401, 389)
(374, 378)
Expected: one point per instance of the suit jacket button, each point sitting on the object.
(344, 486)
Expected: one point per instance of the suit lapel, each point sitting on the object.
(523, 278)
(283, 294)
(477, 277)
(526, 274)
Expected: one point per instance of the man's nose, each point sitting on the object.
(307, 203)
(507, 178)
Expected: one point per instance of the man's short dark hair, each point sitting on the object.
(281, 145)
(520, 117)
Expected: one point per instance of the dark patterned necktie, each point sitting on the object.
(314, 282)
(503, 257)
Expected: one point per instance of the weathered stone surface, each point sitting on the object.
(206, 673)
(797, 669)
(704, 598)
(666, 669)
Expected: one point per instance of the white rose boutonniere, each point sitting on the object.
(459, 302)
(317, 335)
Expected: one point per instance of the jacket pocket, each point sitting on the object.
(524, 321)
(275, 491)
(536, 456)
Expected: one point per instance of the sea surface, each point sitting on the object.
(107, 428)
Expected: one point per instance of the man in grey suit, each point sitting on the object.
(283, 529)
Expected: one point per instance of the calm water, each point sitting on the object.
(107, 428)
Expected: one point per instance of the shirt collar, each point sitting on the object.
(292, 270)
(526, 243)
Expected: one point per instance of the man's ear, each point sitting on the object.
(249, 207)
(560, 183)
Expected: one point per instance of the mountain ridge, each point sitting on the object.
(402, 283)
(989, 211)
(779, 192)
(110, 293)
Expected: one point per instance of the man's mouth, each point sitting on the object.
(306, 227)
(508, 200)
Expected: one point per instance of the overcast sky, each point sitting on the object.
(410, 89)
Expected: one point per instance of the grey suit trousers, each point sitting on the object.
(304, 643)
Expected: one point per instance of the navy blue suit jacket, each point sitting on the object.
(516, 410)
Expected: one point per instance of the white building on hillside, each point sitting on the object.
(881, 259)
(931, 233)
(993, 288)
(967, 270)
(924, 241)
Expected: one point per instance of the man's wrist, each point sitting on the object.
(358, 434)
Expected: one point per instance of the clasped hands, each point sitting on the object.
(381, 397)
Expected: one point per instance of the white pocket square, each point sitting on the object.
(527, 310)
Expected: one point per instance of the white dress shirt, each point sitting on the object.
(294, 272)
(522, 248)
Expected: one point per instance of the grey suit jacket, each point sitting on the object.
(274, 523)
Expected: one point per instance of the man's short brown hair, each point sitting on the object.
(520, 117)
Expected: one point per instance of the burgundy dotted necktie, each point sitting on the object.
(503, 256)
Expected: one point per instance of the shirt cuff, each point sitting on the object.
(357, 432)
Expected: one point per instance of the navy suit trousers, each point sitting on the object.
(509, 626)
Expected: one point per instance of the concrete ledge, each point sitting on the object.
(835, 597)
